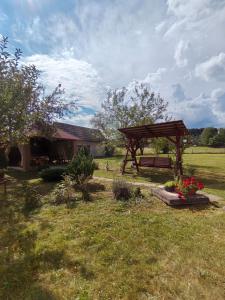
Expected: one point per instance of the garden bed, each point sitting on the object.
(174, 200)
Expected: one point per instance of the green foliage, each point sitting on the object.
(53, 173)
(170, 186)
(82, 167)
(24, 104)
(109, 150)
(207, 134)
(162, 145)
(219, 139)
(190, 171)
(31, 197)
(143, 107)
(122, 190)
(63, 191)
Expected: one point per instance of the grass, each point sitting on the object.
(210, 168)
(105, 249)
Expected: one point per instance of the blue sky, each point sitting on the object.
(90, 45)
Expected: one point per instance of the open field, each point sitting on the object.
(189, 150)
(209, 168)
(106, 249)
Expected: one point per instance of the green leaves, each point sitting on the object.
(24, 106)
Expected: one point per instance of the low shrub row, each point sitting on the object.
(125, 191)
(53, 173)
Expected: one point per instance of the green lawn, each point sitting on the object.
(209, 167)
(105, 249)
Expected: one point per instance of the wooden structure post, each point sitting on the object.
(132, 146)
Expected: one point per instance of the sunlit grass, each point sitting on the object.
(209, 167)
(105, 249)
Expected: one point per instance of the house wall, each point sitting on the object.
(96, 149)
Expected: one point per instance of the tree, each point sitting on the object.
(219, 139)
(81, 169)
(129, 107)
(24, 105)
(207, 134)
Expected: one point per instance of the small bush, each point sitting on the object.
(63, 191)
(122, 190)
(53, 173)
(137, 195)
(82, 167)
(31, 197)
(109, 150)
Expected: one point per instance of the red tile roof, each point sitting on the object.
(74, 132)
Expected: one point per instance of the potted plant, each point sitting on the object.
(188, 187)
(170, 186)
(3, 164)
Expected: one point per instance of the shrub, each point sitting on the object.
(63, 191)
(109, 150)
(122, 190)
(31, 197)
(53, 173)
(82, 167)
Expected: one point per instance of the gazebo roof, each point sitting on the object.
(166, 129)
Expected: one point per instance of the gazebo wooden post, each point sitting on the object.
(179, 168)
(132, 147)
(125, 161)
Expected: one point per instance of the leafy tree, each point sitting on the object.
(219, 139)
(207, 134)
(24, 105)
(129, 107)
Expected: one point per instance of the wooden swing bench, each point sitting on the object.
(155, 162)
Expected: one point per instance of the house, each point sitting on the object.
(60, 148)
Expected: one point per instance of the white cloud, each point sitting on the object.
(190, 8)
(154, 79)
(78, 77)
(197, 112)
(212, 69)
(180, 53)
(179, 44)
(178, 92)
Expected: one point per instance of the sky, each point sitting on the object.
(176, 46)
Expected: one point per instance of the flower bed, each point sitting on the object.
(182, 192)
(188, 187)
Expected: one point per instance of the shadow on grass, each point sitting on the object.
(21, 261)
(95, 187)
(194, 207)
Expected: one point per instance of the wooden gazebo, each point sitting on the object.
(174, 131)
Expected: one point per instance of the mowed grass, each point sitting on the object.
(210, 168)
(106, 249)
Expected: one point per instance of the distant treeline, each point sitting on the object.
(210, 136)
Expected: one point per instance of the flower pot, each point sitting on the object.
(170, 189)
